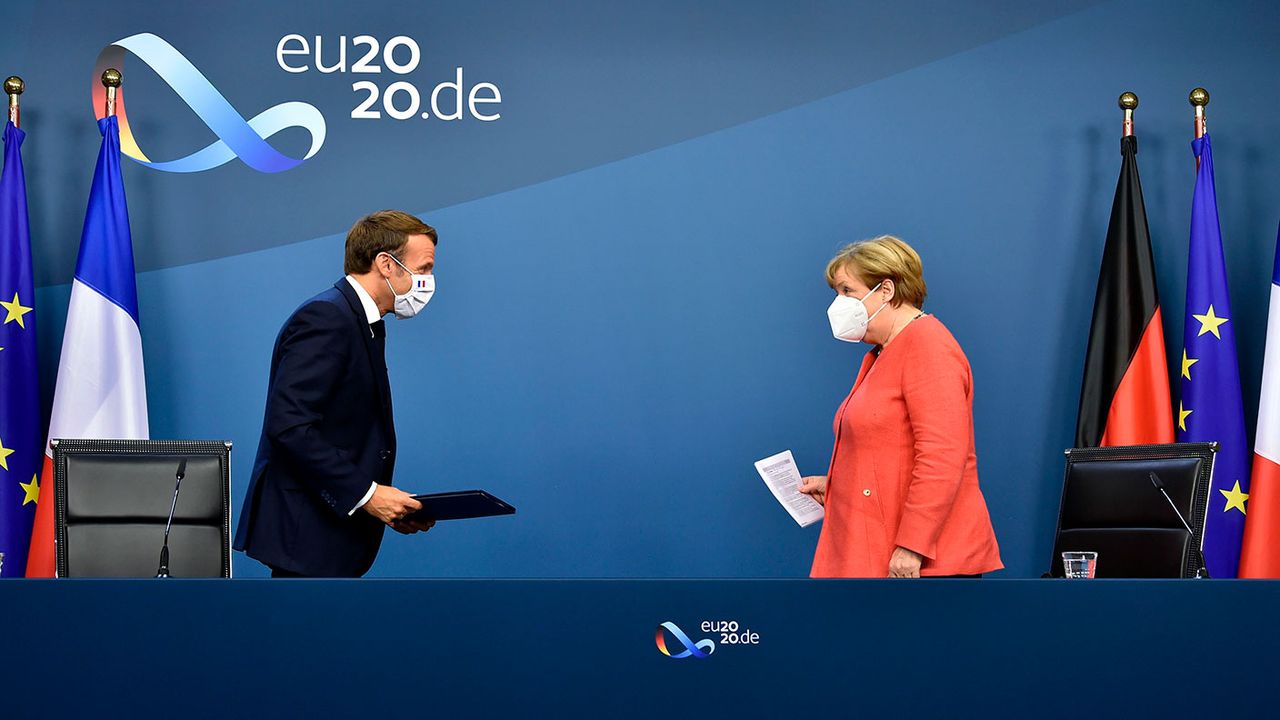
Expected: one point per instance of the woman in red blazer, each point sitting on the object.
(901, 495)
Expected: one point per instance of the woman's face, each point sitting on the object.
(849, 285)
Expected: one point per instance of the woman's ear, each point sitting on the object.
(889, 291)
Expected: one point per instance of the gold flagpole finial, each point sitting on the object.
(111, 78)
(13, 87)
(1128, 102)
(1198, 99)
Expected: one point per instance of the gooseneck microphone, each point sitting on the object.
(163, 572)
(1203, 572)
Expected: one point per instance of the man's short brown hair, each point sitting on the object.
(385, 231)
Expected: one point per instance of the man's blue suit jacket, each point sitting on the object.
(327, 433)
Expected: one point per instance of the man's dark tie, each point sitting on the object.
(379, 329)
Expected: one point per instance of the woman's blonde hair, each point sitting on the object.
(884, 258)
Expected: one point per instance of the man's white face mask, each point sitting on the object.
(421, 289)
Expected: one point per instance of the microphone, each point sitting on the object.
(163, 572)
(1203, 572)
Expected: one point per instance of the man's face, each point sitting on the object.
(419, 256)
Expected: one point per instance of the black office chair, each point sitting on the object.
(113, 499)
(1111, 505)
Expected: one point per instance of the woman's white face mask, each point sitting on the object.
(848, 316)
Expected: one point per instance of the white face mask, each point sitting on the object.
(421, 289)
(848, 316)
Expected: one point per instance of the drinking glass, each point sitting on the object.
(1079, 565)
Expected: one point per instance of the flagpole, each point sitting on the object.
(111, 78)
(13, 87)
(1128, 102)
(1199, 98)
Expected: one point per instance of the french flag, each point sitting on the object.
(1260, 552)
(101, 391)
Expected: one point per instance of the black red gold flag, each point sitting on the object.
(1124, 397)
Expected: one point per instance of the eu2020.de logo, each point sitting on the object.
(701, 649)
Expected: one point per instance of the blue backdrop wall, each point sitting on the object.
(631, 306)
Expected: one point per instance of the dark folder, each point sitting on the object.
(460, 505)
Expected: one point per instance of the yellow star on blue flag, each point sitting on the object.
(31, 490)
(1209, 323)
(1186, 364)
(1235, 498)
(14, 311)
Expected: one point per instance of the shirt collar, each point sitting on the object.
(370, 307)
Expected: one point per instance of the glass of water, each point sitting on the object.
(1077, 565)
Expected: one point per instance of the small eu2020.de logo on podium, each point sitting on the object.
(701, 649)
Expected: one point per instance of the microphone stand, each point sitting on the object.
(1203, 572)
(163, 572)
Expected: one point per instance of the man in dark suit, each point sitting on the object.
(320, 495)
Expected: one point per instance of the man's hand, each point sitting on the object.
(409, 527)
(390, 505)
(905, 563)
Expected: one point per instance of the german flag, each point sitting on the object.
(1124, 399)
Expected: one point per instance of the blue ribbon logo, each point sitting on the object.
(700, 649)
(237, 137)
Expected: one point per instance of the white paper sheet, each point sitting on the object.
(782, 477)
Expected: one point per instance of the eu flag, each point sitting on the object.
(1211, 408)
(21, 437)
